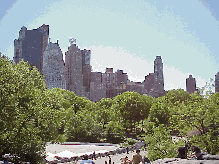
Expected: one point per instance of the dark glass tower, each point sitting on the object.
(158, 76)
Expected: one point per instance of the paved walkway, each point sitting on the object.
(116, 158)
(89, 148)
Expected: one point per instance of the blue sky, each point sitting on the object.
(127, 34)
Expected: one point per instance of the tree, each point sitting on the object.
(160, 144)
(114, 132)
(133, 108)
(24, 120)
(104, 112)
(202, 114)
(165, 108)
(183, 113)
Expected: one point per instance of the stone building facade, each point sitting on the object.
(121, 78)
(31, 45)
(110, 82)
(149, 83)
(97, 87)
(53, 66)
(73, 75)
(136, 87)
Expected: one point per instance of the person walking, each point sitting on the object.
(137, 158)
(110, 160)
(93, 156)
(127, 150)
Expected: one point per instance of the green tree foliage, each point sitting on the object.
(183, 114)
(165, 107)
(114, 132)
(207, 90)
(24, 122)
(160, 144)
(105, 112)
(133, 108)
(202, 114)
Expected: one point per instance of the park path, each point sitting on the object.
(116, 158)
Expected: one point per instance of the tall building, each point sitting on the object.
(121, 79)
(53, 66)
(217, 82)
(73, 65)
(158, 77)
(97, 87)
(110, 82)
(86, 69)
(31, 45)
(190, 84)
(149, 83)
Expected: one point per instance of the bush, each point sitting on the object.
(131, 141)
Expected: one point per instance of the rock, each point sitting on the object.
(207, 159)
(210, 157)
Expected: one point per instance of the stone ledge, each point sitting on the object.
(207, 159)
(211, 157)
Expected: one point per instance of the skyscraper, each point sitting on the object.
(53, 66)
(190, 84)
(217, 82)
(158, 77)
(86, 69)
(73, 64)
(31, 45)
(97, 87)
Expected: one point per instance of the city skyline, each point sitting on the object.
(128, 35)
(75, 73)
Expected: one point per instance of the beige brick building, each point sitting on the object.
(73, 72)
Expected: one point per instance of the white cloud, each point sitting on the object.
(119, 58)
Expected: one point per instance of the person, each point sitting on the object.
(145, 146)
(93, 156)
(146, 160)
(127, 161)
(197, 151)
(6, 159)
(182, 151)
(137, 158)
(109, 160)
(127, 149)
(85, 157)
